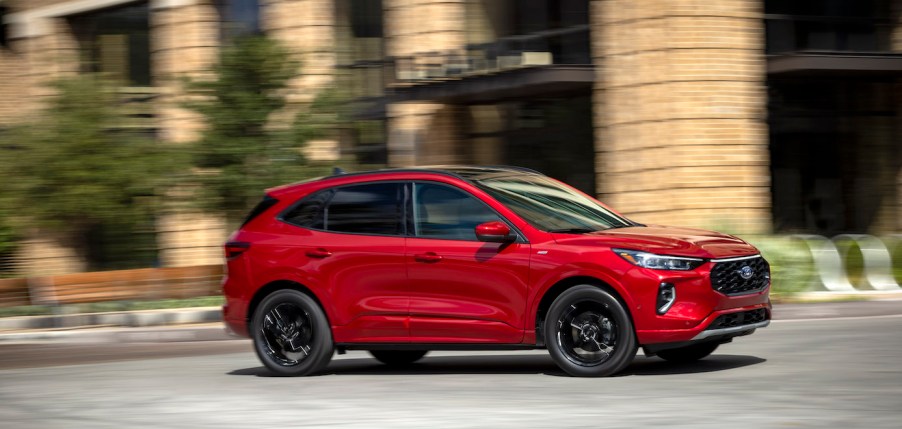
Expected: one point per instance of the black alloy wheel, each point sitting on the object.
(398, 357)
(588, 332)
(291, 334)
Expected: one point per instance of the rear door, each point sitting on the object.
(354, 249)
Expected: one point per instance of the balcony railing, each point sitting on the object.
(795, 33)
(560, 46)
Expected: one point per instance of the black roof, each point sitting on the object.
(465, 172)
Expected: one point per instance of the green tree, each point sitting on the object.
(76, 175)
(241, 153)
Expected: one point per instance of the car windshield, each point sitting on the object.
(550, 206)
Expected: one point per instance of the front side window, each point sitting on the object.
(448, 213)
(551, 206)
(375, 208)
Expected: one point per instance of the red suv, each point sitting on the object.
(399, 262)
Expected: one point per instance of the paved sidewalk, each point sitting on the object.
(204, 323)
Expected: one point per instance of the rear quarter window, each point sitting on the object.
(309, 213)
(261, 207)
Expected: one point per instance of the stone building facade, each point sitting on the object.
(754, 116)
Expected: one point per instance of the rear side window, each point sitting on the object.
(261, 207)
(375, 208)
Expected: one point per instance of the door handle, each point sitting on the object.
(319, 253)
(428, 257)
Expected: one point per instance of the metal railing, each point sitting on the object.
(796, 33)
(569, 46)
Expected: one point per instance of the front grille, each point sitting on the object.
(738, 319)
(726, 277)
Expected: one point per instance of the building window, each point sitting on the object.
(239, 18)
(361, 61)
(366, 18)
(4, 27)
(116, 42)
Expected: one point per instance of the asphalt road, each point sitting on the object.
(842, 372)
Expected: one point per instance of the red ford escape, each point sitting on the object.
(400, 262)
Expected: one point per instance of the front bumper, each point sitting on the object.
(705, 331)
(699, 312)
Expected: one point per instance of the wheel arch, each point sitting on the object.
(275, 286)
(567, 283)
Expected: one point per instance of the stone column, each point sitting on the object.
(307, 28)
(680, 108)
(184, 43)
(423, 132)
(39, 51)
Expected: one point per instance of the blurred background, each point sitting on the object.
(135, 135)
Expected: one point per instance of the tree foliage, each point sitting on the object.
(241, 152)
(76, 173)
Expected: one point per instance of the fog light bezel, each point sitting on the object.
(662, 302)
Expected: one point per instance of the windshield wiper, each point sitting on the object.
(573, 230)
(629, 225)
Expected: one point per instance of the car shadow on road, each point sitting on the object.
(713, 363)
(513, 364)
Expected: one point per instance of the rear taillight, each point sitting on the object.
(234, 249)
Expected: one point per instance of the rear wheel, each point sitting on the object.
(398, 357)
(589, 333)
(689, 353)
(291, 334)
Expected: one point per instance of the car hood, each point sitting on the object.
(664, 240)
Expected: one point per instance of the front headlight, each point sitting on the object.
(659, 262)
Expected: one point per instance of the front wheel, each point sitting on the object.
(398, 357)
(689, 353)
(589, 333)
(291, 334)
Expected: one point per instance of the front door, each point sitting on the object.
(462, 290)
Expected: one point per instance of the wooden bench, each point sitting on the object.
(124, 285)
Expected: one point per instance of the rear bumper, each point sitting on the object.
(235, 320)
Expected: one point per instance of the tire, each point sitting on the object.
(398, 357)
(291, 334)
(689, 353)
(589, 333)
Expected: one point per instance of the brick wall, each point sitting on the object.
(680, 107)
(12, 92)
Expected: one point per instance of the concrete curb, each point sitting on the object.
(205, 323)
(119, 335)
(177, 316)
